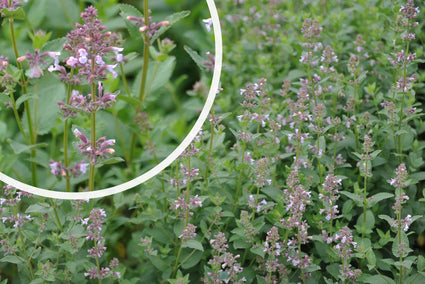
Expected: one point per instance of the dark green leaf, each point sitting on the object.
(195, 57)
(190, 260)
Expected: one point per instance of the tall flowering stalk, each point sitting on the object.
(251, 94)
(224, 264)
(401, 61)
(184, 204)
(148, 29)
(9, 212)
(94, 227)
(296, 199)
(88, 45)
(400, 224)
(329, 197)
(31, 136)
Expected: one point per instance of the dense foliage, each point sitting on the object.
(310, 168)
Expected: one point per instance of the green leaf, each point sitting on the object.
(420, 263)
(128, 10)
(54, 45)
(37, 13)
(194, 244)
(49, 91)
(362, 77)
(296, 74)
(419, 176)
(404, 242)
(172, 20)
(189, 259)
(17, 14)
(3, 131)
(131, 101)
(375, 153)
(366, 225)
(11, 259)
(38, 208)
(24, 98)
(38, 40)
(21, 148)
(195, 57)
(110, 161)
(4, 99)
(405, 263)
(333, 270)
(273, 192)
(358, 155)
(356, 198)
(371, 258)
(159, 73)
(379, 279)
(384, 238)
(218, 141)
(378, 197)
(258, 251)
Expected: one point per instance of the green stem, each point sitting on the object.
(32, 135)
(93, 137)
(399, 236)
(142, 94)
(364, 201)
(124, 80)
(401, 137)
(65, 138)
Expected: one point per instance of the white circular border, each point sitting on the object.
(164, 163)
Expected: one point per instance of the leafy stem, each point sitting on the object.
(32, 135)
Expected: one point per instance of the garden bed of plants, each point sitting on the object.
(309, 169)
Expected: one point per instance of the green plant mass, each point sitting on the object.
(309, 169)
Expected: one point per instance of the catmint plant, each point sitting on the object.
(88, 45)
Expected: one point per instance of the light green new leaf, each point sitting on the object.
(17, 14)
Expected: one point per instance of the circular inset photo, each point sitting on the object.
(98, 107)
